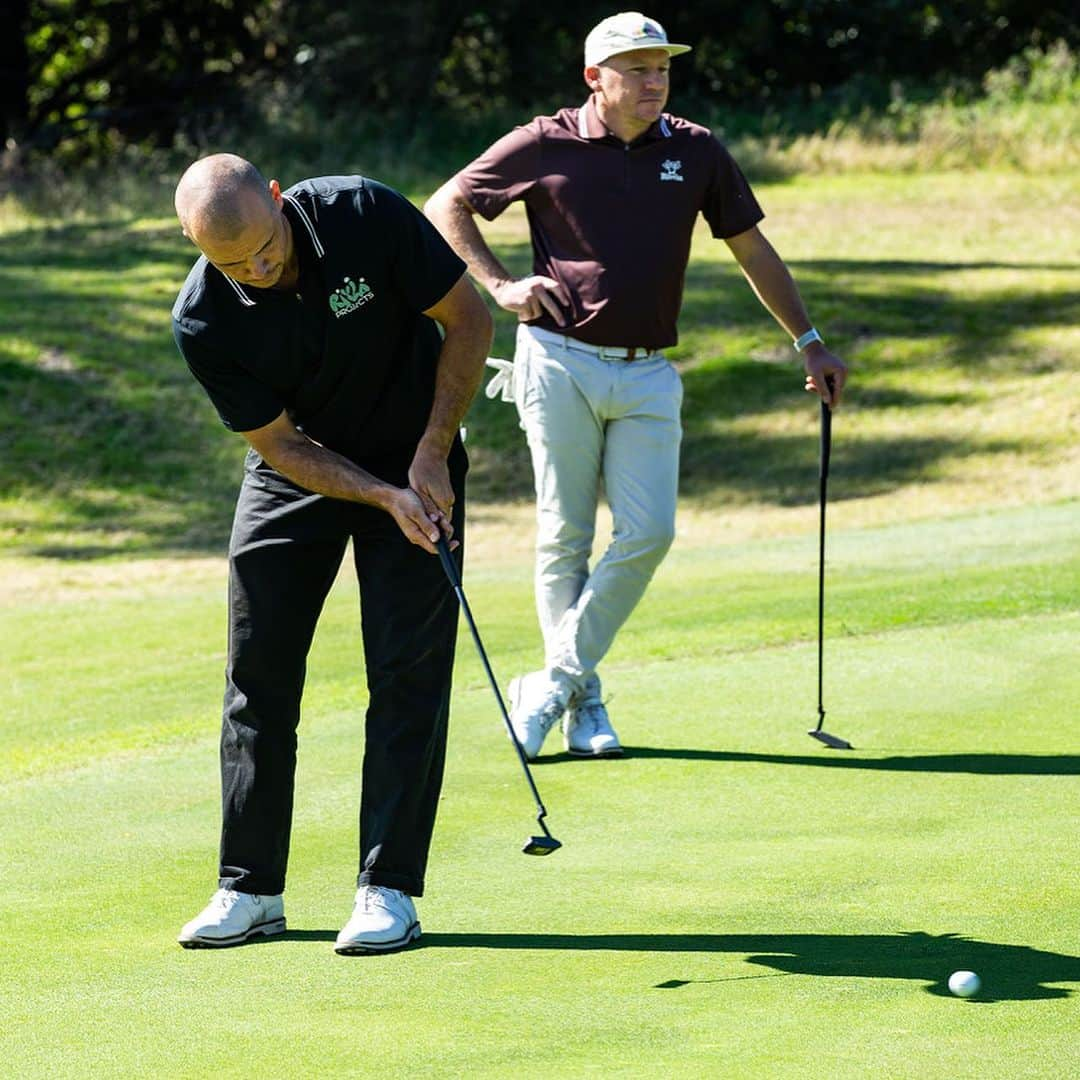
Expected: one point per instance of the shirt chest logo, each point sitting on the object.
(350, 296)
(671, 170)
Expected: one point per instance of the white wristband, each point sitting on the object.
(805, 339)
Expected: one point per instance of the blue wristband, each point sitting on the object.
(805, 339)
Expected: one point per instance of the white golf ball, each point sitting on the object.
(964, 984)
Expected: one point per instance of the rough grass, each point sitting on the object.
(964, 347)
(956, 299)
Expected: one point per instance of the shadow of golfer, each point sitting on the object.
(983, 764)
(1008, 972)
(305, 935)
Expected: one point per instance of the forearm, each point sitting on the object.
(776, 289)
(774, 286)
(316, 468)
(460, 371)
(467, 330)
(453, 217)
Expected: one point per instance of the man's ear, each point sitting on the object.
(275, 193)
(592, 77)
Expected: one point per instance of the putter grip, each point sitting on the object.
(447, 561)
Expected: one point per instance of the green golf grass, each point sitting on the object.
(732, 899)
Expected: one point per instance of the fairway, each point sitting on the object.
(732, 899)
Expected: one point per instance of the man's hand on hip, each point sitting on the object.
(530, 297)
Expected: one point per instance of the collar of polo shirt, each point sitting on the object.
(590, 126)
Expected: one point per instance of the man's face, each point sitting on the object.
(633, 87)
(257, 254)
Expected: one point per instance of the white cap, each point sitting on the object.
(625, 32)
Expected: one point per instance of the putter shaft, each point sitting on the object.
(535, 845)
(833, 741)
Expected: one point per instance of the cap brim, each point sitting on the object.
(670, 48)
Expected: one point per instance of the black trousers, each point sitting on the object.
(286, 548)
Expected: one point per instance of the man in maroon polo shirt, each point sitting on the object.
(612, 191)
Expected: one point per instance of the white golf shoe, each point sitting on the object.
(382, 920)
(231, 918)
(587, 730)
(537, 704)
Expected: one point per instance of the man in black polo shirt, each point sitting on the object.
(312, 322)
(612, 191)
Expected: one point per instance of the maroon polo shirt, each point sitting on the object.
(613, 222)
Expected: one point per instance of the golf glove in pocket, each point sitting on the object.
(502, 382)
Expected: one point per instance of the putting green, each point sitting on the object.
(732, 899)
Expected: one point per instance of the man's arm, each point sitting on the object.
(771, 280)
(467, 330)
(314, 467)
(527, 297)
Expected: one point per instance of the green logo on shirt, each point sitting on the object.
(351, 295)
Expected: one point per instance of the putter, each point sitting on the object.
(534, 845)
(833, 741)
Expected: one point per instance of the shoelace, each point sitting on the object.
(374, 898)
(226, 899)
(593, 714)
(550, 715)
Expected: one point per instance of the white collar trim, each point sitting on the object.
(308, 224)
(244, 298)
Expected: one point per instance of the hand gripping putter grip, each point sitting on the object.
(833, 741)
(534, 845)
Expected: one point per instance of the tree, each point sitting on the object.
(135, 67)
(14, 73)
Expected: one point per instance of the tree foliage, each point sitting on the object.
(137, 68)
(84, 72)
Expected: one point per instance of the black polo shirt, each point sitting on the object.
(612, 222)
(348, 353)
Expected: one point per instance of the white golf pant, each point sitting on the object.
(589, 415)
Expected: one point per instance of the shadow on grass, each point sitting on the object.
(781, 469)
(860, 298)
(93, 245)
(98, 414)
(101, 421)
(977, 764)
(307, 935)
(1008, 972)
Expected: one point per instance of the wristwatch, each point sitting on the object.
(803, 340)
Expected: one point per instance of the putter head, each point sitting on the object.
(830, 740)
(540, 845)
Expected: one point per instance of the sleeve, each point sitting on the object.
(730, 206)
(505, 171)
(242, 402)
(424, 266)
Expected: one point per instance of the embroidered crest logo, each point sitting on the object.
(351, 295)
(671, 170)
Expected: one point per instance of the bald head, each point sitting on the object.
(218, 195)
(230, 212)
